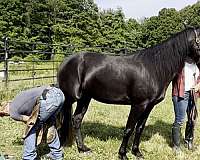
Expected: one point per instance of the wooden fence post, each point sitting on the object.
(6, 61)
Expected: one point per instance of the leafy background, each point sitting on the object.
(81, 23)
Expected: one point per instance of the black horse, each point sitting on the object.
(139, 80)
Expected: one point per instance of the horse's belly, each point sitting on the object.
(111, 97)
(107, 86)
(112, 101)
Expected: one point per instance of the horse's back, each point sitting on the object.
(108, 79)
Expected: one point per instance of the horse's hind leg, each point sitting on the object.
(134, 114)
(139, 129)
(82, 106)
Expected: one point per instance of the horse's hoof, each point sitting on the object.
(140, 158)
(87, 152)
(84, 149)
(189, 145)
(138, 154)
(123, 157)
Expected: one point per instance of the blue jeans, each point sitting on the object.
(48, 109)
(181, 105)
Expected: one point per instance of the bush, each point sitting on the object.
(16, 59)
(59, 57)
(32, 57)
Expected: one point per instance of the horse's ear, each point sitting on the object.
(186, 25)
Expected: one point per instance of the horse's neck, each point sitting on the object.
(168, 58)
(174, 54)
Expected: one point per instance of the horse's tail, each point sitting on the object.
(66, 130)
(69, 80)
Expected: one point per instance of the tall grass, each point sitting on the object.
(103, 130)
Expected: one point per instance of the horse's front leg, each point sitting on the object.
(139, 129)
(82, 106)
(134, 114)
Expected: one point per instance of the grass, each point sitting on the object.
(103, 130)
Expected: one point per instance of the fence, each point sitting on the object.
(38, 65)
(20, 73)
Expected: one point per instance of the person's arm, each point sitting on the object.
(14, 114)
(17, 117)
(5, 111)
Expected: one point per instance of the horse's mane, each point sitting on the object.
(170, 54)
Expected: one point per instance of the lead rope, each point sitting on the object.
(194, 112)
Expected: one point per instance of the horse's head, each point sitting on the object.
(194, 40)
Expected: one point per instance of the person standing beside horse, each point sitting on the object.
(184, 86)
(36, 107)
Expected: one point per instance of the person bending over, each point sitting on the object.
(36, 107)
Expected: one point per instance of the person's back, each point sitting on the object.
(24, 102)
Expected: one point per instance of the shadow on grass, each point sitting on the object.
(102, 131)
(160, 127)
(18, 141)
(42, 149)
(105, 132)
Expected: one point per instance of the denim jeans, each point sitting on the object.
(48, 108)
(181, 105)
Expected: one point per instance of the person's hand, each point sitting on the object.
(196, 88)
(25, 119)
(2, 114)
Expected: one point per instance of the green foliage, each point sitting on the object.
(158, 28)
(59, 57)
(81, 24)
(16, 59)
(191, 14)
(32, 57)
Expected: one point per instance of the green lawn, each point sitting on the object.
(103, 129)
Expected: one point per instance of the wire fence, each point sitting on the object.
(38, 63)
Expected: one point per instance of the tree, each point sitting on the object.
(11, 18)
(190, 14)
(158, 28)
(133, 34)
(76, 23)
